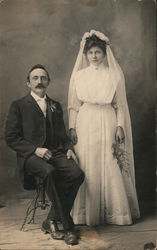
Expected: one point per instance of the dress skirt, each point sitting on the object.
(106, 195)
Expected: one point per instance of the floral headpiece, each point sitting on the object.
(91, 33)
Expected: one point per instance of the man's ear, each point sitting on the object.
(28, 84)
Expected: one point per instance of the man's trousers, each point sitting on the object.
(62, 178)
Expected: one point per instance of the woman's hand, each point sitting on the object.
(120, 137)
(73, 136)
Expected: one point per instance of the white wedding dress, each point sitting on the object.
(107, 195)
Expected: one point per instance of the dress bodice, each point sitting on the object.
(94, 85)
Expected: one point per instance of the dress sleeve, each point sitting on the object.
(120, 104)
(120, 113)
(73, 105)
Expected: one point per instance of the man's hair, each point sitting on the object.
(37, 66)
(93, 41)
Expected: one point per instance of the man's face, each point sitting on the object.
(38, 82)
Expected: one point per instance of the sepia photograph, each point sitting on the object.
(78, 125)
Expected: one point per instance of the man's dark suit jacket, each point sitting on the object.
(26, 130)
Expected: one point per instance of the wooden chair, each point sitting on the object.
(36, 203)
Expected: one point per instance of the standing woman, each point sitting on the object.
(100, 129)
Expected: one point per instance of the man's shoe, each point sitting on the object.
(52, 228)
(70, 238)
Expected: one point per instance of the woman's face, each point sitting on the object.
(95, 55)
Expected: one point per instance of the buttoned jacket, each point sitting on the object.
(26, 128)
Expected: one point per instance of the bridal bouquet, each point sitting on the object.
(121, 156)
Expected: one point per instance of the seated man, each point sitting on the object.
(35, 130)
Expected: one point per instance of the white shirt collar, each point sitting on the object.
(36, 97)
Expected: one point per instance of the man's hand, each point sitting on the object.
(71, 155)
(73, 136)
(120, 137)
(43, 153)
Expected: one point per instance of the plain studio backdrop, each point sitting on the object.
(49, 32)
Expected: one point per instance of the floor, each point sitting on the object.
(110, 237)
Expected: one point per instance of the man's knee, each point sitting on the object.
(78, 174)
(81, 176)
(37, 166)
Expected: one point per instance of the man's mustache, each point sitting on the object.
(40, 85)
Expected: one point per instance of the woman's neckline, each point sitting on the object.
(101, 66)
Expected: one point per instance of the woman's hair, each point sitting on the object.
(93, 41)
(37, 66)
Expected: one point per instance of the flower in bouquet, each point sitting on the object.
(121, 156)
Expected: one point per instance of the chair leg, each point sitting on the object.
(35, 207)
(43, 204)
(30, 209)
(34, 203)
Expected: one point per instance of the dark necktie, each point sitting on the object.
(49, 126)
